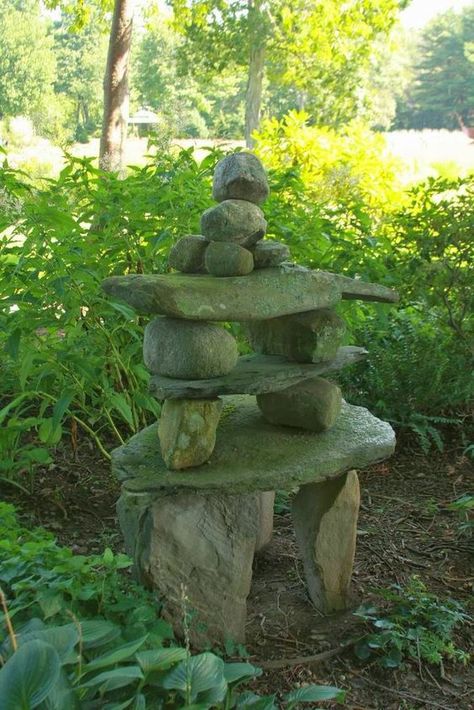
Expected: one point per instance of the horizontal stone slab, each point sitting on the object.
(253, 374)
(265, 293)
(251, 454)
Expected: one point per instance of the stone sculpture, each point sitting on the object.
(197, 492)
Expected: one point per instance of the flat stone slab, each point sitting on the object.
(265, 293)
(253, 374)
(252, 455)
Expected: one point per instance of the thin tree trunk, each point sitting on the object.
(116, 95)
(253, 97)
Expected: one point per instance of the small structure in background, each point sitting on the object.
(144, 120)
(198, 490)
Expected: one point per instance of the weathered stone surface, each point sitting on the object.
(187, 349)
(228, 259)
(254, 374)
(265, 526)
(314, 336)
(187, 431)
(197, 551)
(313, 405)
(325, 522)
(268, 253)
(133, 512)
(187, 254)
(265, 293)
(234, 221)
(253, 455)
(240, 176)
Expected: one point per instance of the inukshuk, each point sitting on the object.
(197, 492)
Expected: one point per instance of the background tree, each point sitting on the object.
(318, 48)
(443, 75)
(80, 57)
(27, 61)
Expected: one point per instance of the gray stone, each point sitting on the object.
(314, 336)
(234, 221)
(253, 374)
(313, 405)
(253, 455)
(265, 527)
(198, 553)
(265, 293)
(187, 431)
(325, 522)
(268, 253)
(188, 349)
(240, 176)
(228, 259)
(187, 254)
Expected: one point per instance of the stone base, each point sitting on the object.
(197, 552)
(193, 534)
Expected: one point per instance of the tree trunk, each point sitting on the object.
(253, 97)
(116, 95)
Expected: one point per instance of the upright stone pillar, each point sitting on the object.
(325, 521)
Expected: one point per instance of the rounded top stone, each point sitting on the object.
(237, 221)
(240, 176)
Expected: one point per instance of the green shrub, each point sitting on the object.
(416, 625)
(76, 633)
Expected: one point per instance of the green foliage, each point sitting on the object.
(464, 506)
(27, 62)
(72, 356)
(416, 626)
(76, 633)
(350, 167)
(442, 86)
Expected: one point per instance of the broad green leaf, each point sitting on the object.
(119, 402)
(122, 653)
(98, 632)
(114, 679)
(256, 702)
(60, 408)
(214, 696)
(28, 676)
(315, 693)
(234, 672)
(61, 696)
(160, 659)
(62, 638)
(195, 675)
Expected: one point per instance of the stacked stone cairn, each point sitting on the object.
(232, 244)
(197, 500)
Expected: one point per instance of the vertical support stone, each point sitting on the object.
(325, 520)
(265, 530)
(200, 554)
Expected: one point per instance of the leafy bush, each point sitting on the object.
(75, 633)
(417, 625)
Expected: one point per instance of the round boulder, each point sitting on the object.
(240, 176)
(187, 254)
(268, 253)
(188, 350)
(313, 405)
(234, 221)
(228, 259)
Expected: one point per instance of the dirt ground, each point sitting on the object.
(405, 529)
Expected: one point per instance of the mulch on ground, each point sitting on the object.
(405, 528)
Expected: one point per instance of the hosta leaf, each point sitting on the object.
(256, 702)
(160, 659)
(314, 694)
(116, 678)
(196, 674)
(234, 672)
(62, 638)
(98, 632)
(28, 676)
(118, 655)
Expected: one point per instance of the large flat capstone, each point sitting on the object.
(254, 374)
(252, 455)
(265, 293)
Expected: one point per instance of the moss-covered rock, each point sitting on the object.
(188, 349)
(240, 176)
(234, 221)
(228, 259)
(313, 405)
(268, 253)
(187, 254)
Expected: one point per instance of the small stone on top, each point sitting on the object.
(240, 176)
